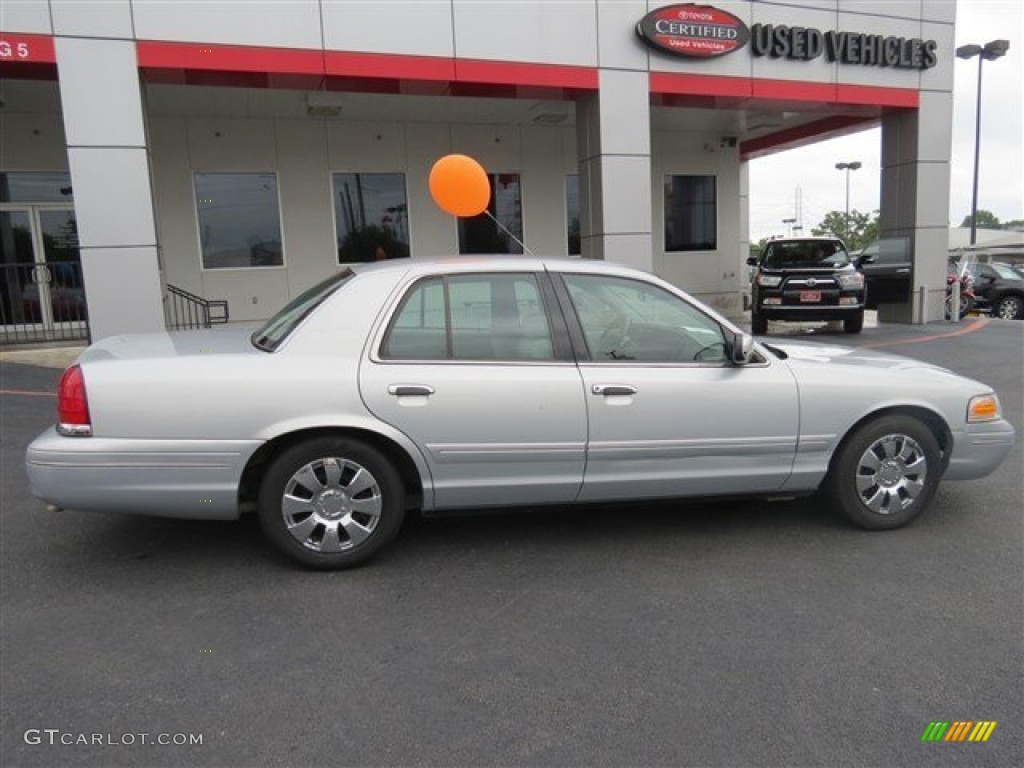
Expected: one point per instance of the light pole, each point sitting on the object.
(847, 167)
(789, 224)
(991, 51)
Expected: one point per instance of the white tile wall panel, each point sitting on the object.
(736, 64)
(935, 143)
(537, 31)
(885, 77)
(932, 201)
(112, 196)
(174, 196)
(904, 9)
(818, 70)
(626, 188)
(92, 18)
(223, 144)
(307, 211)
(27, 16)
(410, 27)
(633, 250)
(99, 88)
(544, 216)
(625, 125)
(252, 294)
(940, 77)
(292, 24)
(433, 231)
(366, 147)
(941, 11)
(495, 147)
(618, 44)
(107, 272)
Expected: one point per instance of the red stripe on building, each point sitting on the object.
(906, 98)
(515, 73)
(229, 58)
(699, 85)
(26, 49)
(343, 64)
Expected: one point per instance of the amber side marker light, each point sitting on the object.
(983, 408)
(72, 406)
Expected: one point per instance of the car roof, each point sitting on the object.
(531, 263)
(812, 239)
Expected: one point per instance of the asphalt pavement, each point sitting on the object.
(712, 634)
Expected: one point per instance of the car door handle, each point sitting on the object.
(613, 389)
(409, 390)
(905, 271)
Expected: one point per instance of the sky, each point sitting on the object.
(1001, 170)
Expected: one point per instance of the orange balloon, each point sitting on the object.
(459, 186)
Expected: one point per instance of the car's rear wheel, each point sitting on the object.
(758, 323)
(1010, 308)
(331, 503)
(885, 473)
(853, 324)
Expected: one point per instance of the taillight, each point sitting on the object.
(72, 405)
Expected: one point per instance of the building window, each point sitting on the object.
(690, 213)
(372, 216)
(480, 234)
(35, 187)
(572, 213)
(239, 220)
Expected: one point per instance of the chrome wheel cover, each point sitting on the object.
(331, 505)
(1008, 309)
(891, 474)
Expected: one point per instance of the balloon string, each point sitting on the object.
(505, 230)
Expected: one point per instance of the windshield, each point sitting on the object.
(277, 328)
(805, 254)
(1005, 272)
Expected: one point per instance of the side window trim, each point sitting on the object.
(562, 350)
(578, 337)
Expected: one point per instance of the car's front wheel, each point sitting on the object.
(1010, 308)
(331, 503)
(853, 324)
(885, 473)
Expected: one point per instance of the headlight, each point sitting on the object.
(983, 408)
(854, 281)
(769, 281)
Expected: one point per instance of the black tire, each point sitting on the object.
(758, 324)
(853, 324)
(342, 525)
(886, 491)
(1010, 308)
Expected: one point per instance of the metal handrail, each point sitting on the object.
(188, 311)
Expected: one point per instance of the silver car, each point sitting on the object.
(467, 383)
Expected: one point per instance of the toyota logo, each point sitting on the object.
(811, 282)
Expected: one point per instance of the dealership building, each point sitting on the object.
(160, 155)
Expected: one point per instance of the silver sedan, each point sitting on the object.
(462, 383)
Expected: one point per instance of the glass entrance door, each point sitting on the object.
(42, 296)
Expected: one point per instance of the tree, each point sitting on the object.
(859, 231)
(986, 220)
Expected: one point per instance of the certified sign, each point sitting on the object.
(694, 31)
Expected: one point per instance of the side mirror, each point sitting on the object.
(865, 258)
(751, 261)
(741, 350)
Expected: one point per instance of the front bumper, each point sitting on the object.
(979, 450)
(164, 478)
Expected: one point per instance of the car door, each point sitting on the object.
(477, 370)
(887, 269)
(668, 414)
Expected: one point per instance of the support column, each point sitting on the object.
(613, 141)
(916, 146)
(103, 121)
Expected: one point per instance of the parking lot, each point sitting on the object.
(714, 634)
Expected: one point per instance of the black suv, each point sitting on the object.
(998, 290)
(807, 278)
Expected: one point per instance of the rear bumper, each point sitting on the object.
(165, 478)
(979, 450)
